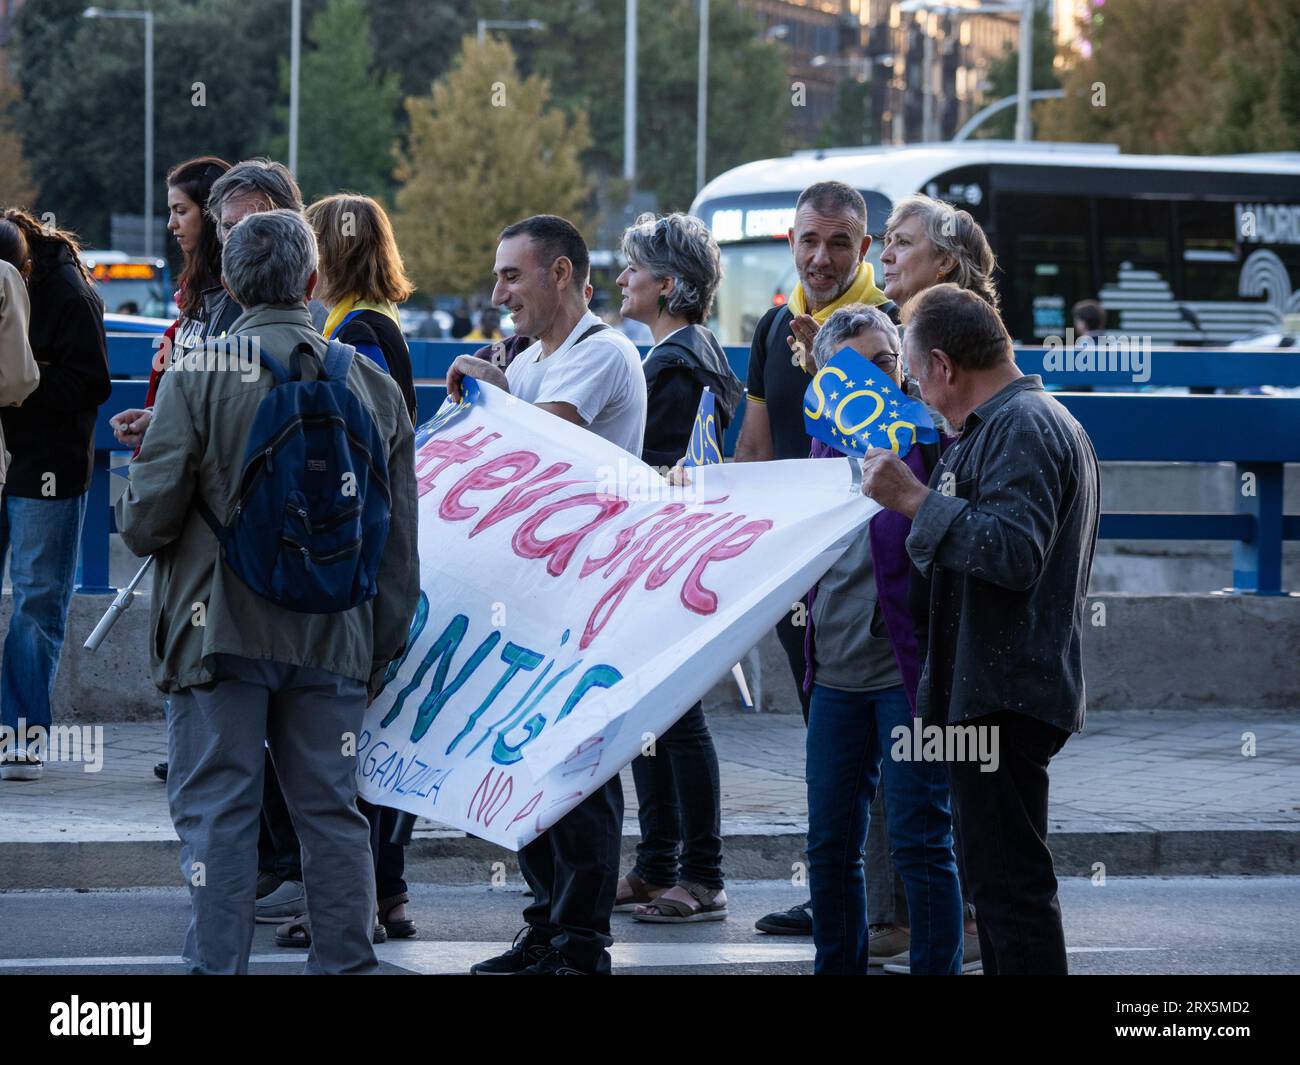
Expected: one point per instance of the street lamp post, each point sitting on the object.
(295, 68)
(147, 16)
(629, 96)
(702, 101)
(1025, 9)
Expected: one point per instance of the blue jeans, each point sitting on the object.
(848, 733)
(42, 537)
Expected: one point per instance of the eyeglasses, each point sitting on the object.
(886, 360)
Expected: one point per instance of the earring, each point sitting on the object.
(663, 303)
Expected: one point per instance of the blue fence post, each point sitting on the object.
(1257, 563)
(92, 567)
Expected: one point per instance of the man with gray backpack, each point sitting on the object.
(276, 488)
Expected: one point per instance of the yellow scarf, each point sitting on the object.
(862, 290)
(352, 303)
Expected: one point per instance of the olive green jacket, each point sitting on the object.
(195, 445)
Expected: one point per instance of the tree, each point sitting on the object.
(16, 187)
(1004, 75)
(347, 119)
(485, 149)
(1152, 79)
(581, 53)
(80, 116)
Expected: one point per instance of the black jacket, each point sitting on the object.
(53, 432)
(676, 373)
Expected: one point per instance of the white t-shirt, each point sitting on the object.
(601, 378)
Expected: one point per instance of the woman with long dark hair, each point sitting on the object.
(188, 185)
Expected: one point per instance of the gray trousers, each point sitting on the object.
(216, 734)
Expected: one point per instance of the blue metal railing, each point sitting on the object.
(1258, 434)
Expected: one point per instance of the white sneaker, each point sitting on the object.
(21, 764)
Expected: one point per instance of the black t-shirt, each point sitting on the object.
(776, 381)
(371, 333)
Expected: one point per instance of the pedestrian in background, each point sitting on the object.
(673, 270)
(52, 439)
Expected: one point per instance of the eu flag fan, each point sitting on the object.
(704, 449)
(853, 406)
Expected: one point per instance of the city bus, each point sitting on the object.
(131, 285)
(1194, 250)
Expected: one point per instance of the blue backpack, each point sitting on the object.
(311, 517)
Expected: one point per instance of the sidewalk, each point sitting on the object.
(1143, 792)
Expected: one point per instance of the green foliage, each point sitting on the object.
(16, 187)
(486, 148)
(582, 51)
(1224, 81)
(1004, 76)
(347, 126)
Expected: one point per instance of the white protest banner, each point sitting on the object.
(573, 605)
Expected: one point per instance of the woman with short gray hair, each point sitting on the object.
(673, 269)
(928, 242)
(863, 666)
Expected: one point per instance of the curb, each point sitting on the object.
(453, 858)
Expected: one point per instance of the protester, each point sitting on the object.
(862, 673)
(206, 197)
(673, 270)
(588, 374)
(188, 186)
(255, 672)
(1089, 318)
(362, 282)
(829, 241)
(52, 440)
(1009, 552)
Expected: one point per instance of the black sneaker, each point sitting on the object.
(526, 951)
(160, 771)
(553, 964)
(796, 921)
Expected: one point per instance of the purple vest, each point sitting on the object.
(891, 565)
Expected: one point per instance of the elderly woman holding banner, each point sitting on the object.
(672, 274)
(863, 668)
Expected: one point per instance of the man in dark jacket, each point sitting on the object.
(51, 437)
(1006, 532)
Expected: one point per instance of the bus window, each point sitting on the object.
(1211, 265)
(1135, 232)
(1044, 256)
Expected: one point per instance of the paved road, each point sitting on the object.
(1178, 925)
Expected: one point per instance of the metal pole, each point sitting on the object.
(702, 100)
(295, 66)
(148, 134)
(927, 85)
(629, 96)
(481, 31)
(1024, 129)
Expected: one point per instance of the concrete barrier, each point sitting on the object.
(1162, 651)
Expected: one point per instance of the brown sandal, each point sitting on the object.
(632, 892)
(396, 929)
(703, 907)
